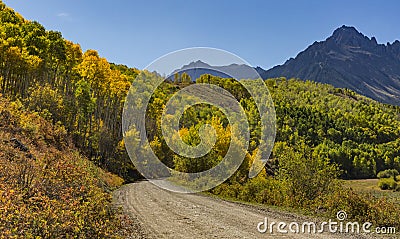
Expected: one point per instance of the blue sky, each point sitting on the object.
(264, 33)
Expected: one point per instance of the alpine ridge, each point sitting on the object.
(348, 59)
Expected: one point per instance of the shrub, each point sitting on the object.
(253, 187)
(228, 191)
(304, 177)
(272, 193)
(387, 184)
(389, 173)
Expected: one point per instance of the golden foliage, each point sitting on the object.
(47, 190)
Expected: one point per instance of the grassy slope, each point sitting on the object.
(370, 186)
(47, 189)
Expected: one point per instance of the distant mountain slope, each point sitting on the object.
(198, 68)
(348, 59)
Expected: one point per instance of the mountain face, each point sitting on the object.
(348, 59)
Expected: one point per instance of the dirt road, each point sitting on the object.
(162, 214)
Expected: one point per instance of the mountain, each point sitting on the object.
(348, 59)
(198, 68)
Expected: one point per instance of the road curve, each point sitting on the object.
(158, 213)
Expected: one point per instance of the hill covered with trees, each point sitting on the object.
(357, 133)
(47, 188)
(80, 91)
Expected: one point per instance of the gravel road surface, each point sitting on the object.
(158, 213)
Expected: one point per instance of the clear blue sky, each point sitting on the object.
(264, 33)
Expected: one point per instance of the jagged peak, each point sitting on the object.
(346, 30)
(396, 43)
(349, 35)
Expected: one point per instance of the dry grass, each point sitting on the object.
(370, 186)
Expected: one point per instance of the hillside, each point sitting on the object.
(81, 91)
(54, 162)
(348, 59)
(47, 189)
(358, 133)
